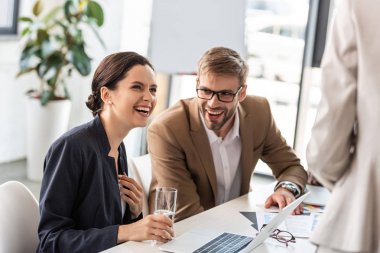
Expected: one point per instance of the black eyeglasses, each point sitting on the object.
(223, 96)
(281, 236)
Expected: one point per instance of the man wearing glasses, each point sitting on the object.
(207, 147)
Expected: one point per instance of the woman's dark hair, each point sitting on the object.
(110, 71)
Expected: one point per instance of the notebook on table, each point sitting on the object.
(207, 240)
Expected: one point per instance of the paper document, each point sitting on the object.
(318, 195)
(300, 226)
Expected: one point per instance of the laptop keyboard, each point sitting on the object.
(225, 243)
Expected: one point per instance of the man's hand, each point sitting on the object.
(281, 198)
(132, 193)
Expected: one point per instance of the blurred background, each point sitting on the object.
(282, 41)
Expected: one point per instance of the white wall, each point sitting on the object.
(182, 31)
(136, 26)
(12, 98)
(12, 109)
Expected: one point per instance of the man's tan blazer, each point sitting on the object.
(181, 154)
(349, 165)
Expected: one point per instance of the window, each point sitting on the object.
(8, 19)
(275, 43)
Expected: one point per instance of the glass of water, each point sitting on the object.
(165, 201)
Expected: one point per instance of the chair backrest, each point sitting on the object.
(19, 218)
(140, 169)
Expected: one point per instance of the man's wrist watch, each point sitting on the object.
(292, 187)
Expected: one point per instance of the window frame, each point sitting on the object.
(12, 28)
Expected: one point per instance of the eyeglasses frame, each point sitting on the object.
(275, 235)
(218, 94)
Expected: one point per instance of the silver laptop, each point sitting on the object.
(203, 240)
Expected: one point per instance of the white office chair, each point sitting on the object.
(19, 218)
(140, 169)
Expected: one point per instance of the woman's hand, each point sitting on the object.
(132, 193)
(152, 227)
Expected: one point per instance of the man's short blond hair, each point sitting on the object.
(223, 61)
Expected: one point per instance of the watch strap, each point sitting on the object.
(290, 186)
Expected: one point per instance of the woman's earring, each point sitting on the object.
(109, 102)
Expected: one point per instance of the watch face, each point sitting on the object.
(289, 188)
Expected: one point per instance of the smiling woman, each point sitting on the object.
(8, 18)
(88, 201)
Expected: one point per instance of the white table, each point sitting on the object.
(225, 217)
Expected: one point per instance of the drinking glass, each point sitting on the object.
(165, 201)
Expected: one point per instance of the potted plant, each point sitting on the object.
(53, 47)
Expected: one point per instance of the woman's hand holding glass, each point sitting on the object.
(152, 227)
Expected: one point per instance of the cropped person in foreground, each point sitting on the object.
(344, 152)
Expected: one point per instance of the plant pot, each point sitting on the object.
(44, 125)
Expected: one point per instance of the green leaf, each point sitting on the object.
(42, 35)
(95, 11)
(80, 59)
(46, 48)
(50, 67)
(66, 91)
(30, 53)
(69, 10)
(53, 81)
(74, 36)
(37, 8)
(25, 31)
(25, 19)
(46, 96)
